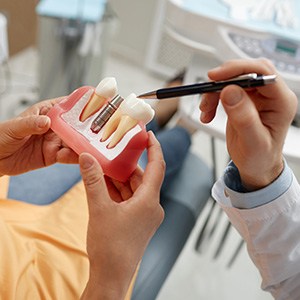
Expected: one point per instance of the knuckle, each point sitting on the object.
(268, 63)
(158, 147)
(294, 102)
(161, 214)
(162, 165)
(293, 96)
(92, 179)
(158, 215)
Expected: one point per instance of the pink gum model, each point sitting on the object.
(117, 164)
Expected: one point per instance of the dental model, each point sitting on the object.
(106, 89)
(131, 111)
(119, 144)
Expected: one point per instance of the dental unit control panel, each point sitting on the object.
(99, 121)
(227, 29)
(285, 54)
(219, 30)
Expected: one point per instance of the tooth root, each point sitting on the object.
(111, 125)
(126, 123)
(93, 105)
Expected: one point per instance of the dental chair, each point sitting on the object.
(188, 194)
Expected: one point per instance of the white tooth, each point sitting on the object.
(126, 123)
(133, 110)
(137, 108)
(93, 105)
(106, 89)
(111, 125)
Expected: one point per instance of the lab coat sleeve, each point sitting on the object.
(272, 234)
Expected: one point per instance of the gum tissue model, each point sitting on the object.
(120, 141)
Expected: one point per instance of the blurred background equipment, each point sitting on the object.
(21, 23)
(3, 51)
(3, 39)
(73, 42)
(3, 58)
(219, 30)
(17, 33)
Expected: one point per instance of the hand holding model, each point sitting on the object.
(26, 143)
(101, 122)
(122, 216)
(258, 120)
(119, 230)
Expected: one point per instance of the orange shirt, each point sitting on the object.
(43, 248)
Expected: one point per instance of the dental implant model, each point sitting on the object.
(131, 111)
(122, 138)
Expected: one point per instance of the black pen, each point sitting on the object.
(244, 81)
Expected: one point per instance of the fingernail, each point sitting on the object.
(151, 133)
(42, 122)
(86, 161)
(216, 69)
(234, 97)
(44, 110)
(203, 117)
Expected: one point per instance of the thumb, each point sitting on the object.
(93, 179)
(25, 126)
(241, 111)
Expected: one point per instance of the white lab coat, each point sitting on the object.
(272, 234)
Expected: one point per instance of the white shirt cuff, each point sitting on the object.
(242, 199)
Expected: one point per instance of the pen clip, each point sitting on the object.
(243, 77)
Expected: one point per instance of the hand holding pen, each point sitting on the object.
(257, 120)
(244, 81)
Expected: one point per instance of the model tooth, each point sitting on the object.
(137, 108)
(111, 125)
(106, 89)
(94, 104)
(126, 123)
(132, 111)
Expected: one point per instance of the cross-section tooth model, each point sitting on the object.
(106, 89)
(122, 139)
(111, 125)
(131, 111)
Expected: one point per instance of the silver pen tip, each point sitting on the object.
(149, 95)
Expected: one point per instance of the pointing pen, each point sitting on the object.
(244, 81)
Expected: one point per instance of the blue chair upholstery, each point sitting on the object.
(183, 202)
(43, 186)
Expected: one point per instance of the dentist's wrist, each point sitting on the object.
(262, 178)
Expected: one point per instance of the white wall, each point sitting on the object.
(135, 18)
